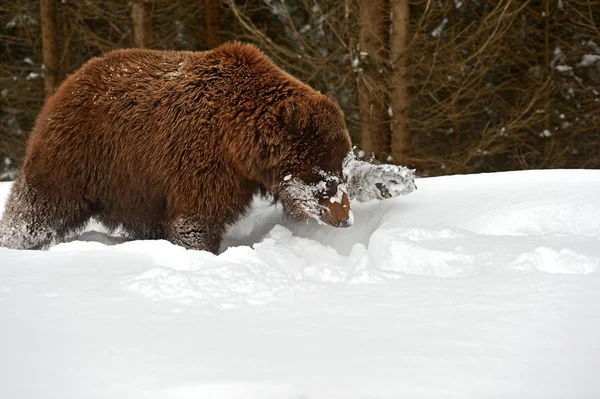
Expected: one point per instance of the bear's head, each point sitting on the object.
(315, 143)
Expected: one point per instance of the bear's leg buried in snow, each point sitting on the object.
(192, 232)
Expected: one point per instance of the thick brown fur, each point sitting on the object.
(173, 145)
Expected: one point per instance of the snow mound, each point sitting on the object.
(510, 203)
(565, 261)
(277, 267)
(413, 251)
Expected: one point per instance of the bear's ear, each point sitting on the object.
(332, 99)
(289, 112)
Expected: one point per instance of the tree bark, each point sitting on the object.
(547, 68)
(373, 38)
(141, 18)
(49, 45)
(213, 23)
(67, 35)
(399, 98)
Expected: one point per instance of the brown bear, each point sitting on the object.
(174, 145)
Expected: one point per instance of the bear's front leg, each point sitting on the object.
(367, 181)
(193, 233)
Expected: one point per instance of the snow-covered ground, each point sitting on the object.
(479, 286)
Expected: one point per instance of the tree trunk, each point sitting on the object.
(67, 35)
(373, 38)
(141, 18)
(213, 23)
(399, 98)
(49, 45)
(547, 68)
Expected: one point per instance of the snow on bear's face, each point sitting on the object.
(322, 197)
(312, 142)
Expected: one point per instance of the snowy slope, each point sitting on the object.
(479, 286)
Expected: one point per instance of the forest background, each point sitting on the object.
(443, 86)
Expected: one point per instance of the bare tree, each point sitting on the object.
(141, 18)
(373, 38)
(50, 45)
(213, 23)
(494, 85)
(399, 98)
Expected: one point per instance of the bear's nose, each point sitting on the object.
(345, 223)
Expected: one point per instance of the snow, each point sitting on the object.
(558, 62)
(33, 75)
(440, 28)
(473, 286)
(546, 133)
(367, 181)
(306, 195)
(589, 60)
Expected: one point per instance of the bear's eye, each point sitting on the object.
(330, 189)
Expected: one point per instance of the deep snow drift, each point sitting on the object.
(473, 286)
